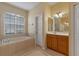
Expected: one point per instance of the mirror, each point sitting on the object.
(50, 24)
(59, 22)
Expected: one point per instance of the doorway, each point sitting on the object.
(39, 29)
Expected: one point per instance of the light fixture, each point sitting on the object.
(61, 14)
(56, 15)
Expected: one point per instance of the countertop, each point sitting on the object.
(58, 33)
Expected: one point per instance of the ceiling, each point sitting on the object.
(27, 5)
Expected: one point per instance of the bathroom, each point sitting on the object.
(45, 27)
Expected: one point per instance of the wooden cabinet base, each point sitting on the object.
(58, 43)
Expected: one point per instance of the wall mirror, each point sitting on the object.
(59, 22)
(50, 24)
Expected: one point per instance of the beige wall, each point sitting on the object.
(60, 7)
(4, 7)
(31, 22)
(32, 13)
(45, 10)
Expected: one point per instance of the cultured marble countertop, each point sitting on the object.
(58, 33)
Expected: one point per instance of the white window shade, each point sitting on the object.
(13, 24)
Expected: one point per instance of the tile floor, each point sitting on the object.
(38, 52)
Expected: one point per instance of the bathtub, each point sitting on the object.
(10, 46)
(7, 41)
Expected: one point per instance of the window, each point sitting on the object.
(13, 24)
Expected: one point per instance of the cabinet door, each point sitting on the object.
(63, 45)
(54, 42)
(49, 41)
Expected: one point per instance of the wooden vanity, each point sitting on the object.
(59, 43)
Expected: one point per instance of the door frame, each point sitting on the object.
(72, 48)
(37, 15)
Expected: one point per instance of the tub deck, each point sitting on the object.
(14, 45)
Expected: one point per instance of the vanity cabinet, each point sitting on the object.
(49, 45)
(58, 43)
(63, 44)
(54, 42)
